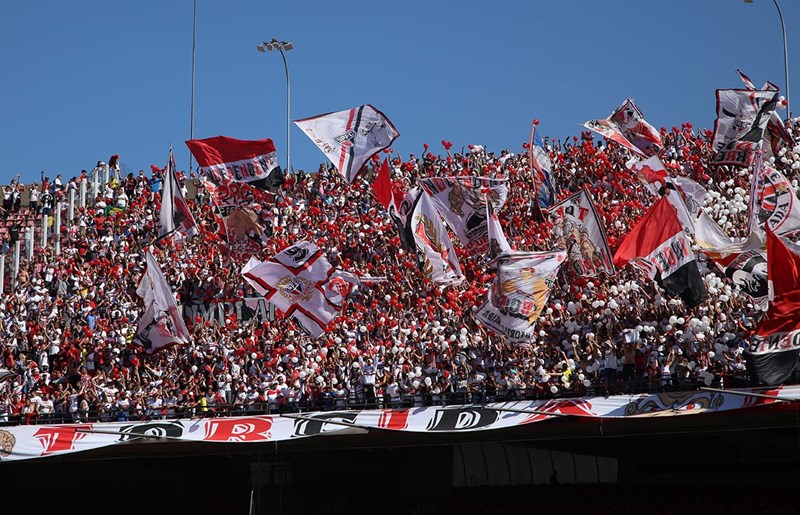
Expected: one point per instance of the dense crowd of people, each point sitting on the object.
(68, 320)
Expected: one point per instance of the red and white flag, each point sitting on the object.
(162, 324)
(658, 247)
(223, 159)
(302, 284)
(627, 126)
(350, 137)
(175, 216)
(237, 174)
(773, 352)
(658, 181)
(773, 202)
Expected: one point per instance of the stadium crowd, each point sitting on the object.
(67, 324)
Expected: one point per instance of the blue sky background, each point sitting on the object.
(86, 79)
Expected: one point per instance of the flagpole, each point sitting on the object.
(194, 54)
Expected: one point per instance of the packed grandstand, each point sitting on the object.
(401, 337)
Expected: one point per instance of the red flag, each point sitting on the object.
(658, 247)
(773, 351)
(222, 158)
(783, 266)
(382, 186)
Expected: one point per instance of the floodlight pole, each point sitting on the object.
(785, 56)
(282, 47)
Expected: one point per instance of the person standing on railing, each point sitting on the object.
(367, 377)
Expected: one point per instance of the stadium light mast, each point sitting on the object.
(283, 47)
(785, 56)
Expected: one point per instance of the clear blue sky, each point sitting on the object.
(83, 80)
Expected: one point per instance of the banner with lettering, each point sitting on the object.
(38, 441)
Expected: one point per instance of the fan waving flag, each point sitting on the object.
(577, 230)
(223, 159)
(302, 284)
(519, 293)
(175, 216)
(742, 116)
(161, 324)
(350, 137)
(773, 352)
(658, 247)
(627, 126)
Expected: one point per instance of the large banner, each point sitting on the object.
(577, 229)
(26, 442)
(243, 310)
(462, 203)
(519, 293)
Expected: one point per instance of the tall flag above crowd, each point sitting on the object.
(462, 203)
(777, 134)
(302, 284)
(350, 137)
(239, 175)
(161, 325)
(742, 116)
(577, 229)
(658, 247)
(519, 292)
(542, 168)
(627, 126)
(176, 218)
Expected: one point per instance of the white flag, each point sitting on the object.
(462, 203)
(350, 137)
(175, 216)
(302, 284)
(439, 261)
(162, 324)
(773, 201)
(519, 293)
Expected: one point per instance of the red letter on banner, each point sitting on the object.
(238, 430)
(60, 438)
